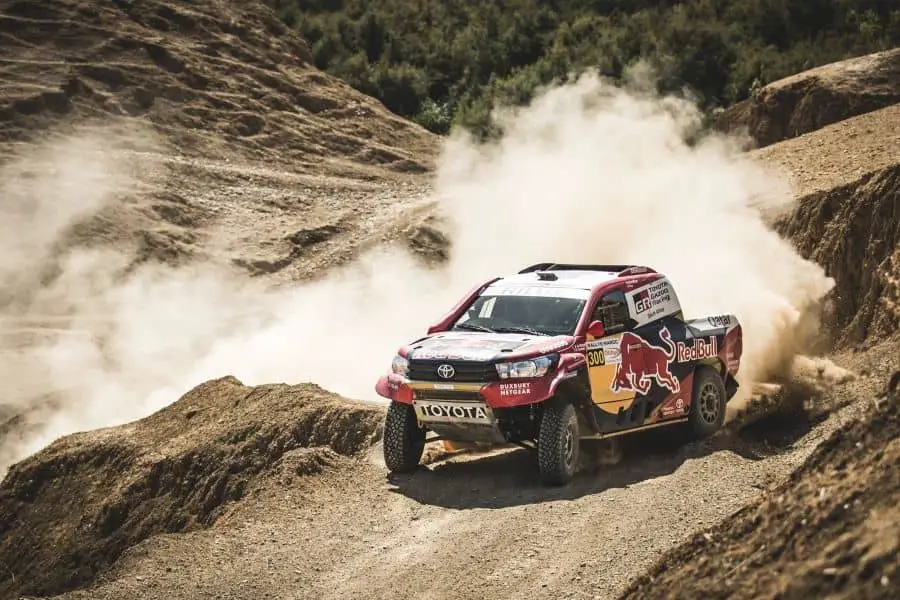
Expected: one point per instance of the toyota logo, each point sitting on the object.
(446, 371)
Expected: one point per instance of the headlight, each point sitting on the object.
(400, 366)
(533, 367)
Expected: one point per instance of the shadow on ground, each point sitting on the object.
(510, 478)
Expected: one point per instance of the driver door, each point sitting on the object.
(604, 355)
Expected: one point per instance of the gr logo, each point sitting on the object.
(641, 301)
(595, 358)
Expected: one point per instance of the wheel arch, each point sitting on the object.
(718, 365)
(577, 390)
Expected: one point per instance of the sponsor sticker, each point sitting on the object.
(515, 389)
(453, 411)
(536, 290)
(719, 321)
(699, 350)
(640, 362)
(676, 408)
(608, 350)
(642, 301)
(653, 301)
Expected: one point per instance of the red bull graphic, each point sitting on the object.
(641, 361)
(698, 351)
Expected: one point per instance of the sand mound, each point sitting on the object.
(74, 507)
(830, 530)
(219, 79)
(818, 97)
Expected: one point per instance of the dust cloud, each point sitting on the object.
(590, 172)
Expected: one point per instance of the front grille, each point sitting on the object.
(466, 372)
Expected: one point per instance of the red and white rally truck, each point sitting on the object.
(556, 354)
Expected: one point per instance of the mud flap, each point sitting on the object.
(731, 387)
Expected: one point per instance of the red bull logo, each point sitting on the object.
(698, 351)
(640, 362)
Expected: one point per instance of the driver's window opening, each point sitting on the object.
(612, 310)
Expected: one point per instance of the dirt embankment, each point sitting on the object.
(72, 509)
(846, 177)
(818, 97)
(854, 232)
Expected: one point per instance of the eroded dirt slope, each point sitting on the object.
(239, 149)
(818, 97)
(854, 231)
(846, 178)
(70, 510)
(221, 79)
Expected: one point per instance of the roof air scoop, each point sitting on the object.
(546, 276)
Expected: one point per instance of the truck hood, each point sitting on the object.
(483, 346)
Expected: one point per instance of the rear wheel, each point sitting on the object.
(707, 403)
(404, 440)
(558, 443)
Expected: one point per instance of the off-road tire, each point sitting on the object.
(404, 440)
(707, 412)
(558, 444)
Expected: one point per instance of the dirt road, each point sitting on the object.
(470, 526)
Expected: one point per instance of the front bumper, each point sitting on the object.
(466, 411)
(508, 393)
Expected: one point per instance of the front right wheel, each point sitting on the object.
(404, 440)
(558, 443)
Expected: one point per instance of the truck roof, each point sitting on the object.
(583, 280)
(572, 280)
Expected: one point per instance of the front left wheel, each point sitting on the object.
(404, 440)
(558, 443)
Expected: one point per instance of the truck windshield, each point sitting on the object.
(540, 315)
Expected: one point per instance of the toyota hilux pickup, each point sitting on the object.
(556, 354)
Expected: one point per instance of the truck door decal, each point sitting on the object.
(604, 357)
(640, 362)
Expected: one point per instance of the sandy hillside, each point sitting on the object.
(818, 97)
(196, 97)
(238, 491)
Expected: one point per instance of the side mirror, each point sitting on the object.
(596, 329)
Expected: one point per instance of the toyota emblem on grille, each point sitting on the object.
(446, 371)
